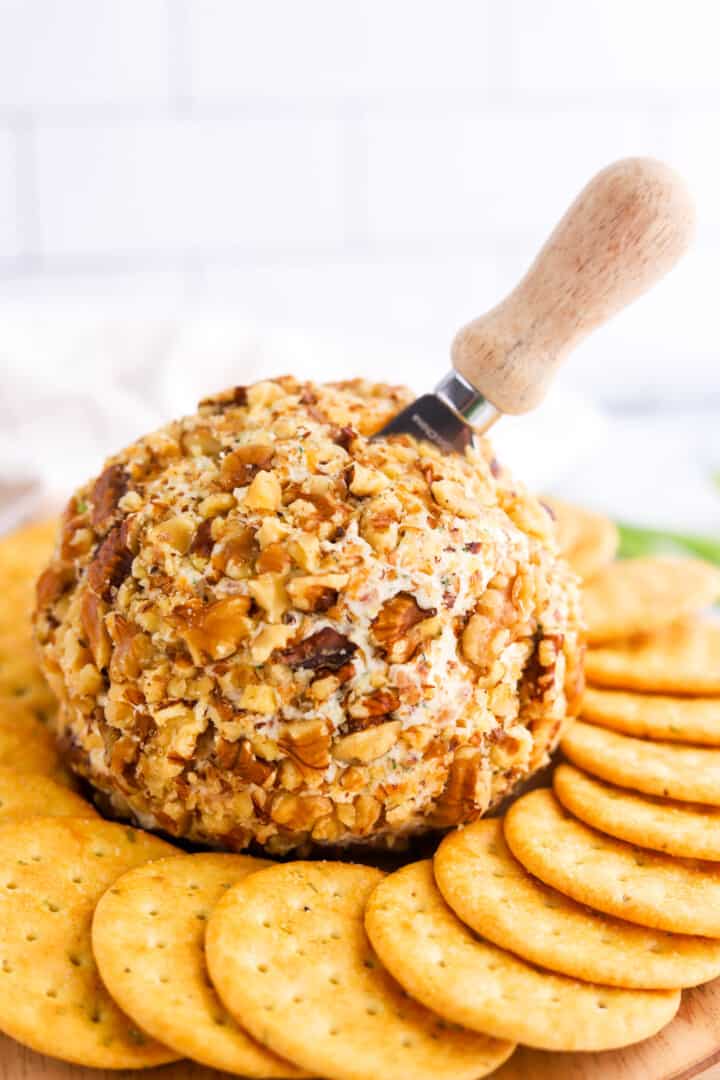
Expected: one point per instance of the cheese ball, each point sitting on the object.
(263, 626)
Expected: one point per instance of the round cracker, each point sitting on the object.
(30, 794)
(53, 871)
(634, 596)
(680, 659)
(689, 830)
(21, 680)
(28, 745)
(678, 895)
(589, 541)
(688, 773)
(439, 961)
(289, 956)
(148, 937)
(654, 716)
(493, 894)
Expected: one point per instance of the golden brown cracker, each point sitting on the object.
(490, 891)
(469, 981)
(53, 871)
(148, 938)
(588, 540)
(289, 956)
(635, 596)
(654, 716)
(28, 745)
(30, 794)
(689, 830)
(671, 770)
(683, 658)
(678, 895)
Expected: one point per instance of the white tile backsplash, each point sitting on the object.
(611, 47)
(322, 47)
(10, 219)
(258, 182)
(375, 171)
(83, 52)
(448, 174)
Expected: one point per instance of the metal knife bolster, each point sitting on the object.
(463, 398)
(445, 417)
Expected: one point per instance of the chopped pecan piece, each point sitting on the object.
(467, 790)
(92, 618)
(316, 592)
(273, 559)
(202, 542)
(539, 673)
(343, 436)
(214, 629)
(379, 703)
(110, 565)
(241, 465)
(308, 743)
(227, 399)
(324, 649)
(367, 745)
(237, 551)
(392, 628)
(107, 492)
(132, 648)
(51, 584)
(239, 758)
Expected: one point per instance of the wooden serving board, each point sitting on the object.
(688, 1047)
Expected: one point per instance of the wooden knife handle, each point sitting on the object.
(626, 229)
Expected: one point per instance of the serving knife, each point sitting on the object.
(626, 229)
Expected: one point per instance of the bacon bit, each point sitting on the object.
(226, 399)
(202, 542)
(107, 492)
(240, 466)
(110, 565)
(474, 547)
(308, 396)
(495, 467)
(324, 649)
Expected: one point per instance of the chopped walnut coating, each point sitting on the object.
(263, 626)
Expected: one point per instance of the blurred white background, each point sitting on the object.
(200, 190)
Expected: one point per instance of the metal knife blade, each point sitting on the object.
(443, 418)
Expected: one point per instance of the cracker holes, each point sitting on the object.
(31, 937)
(74, 960)
(601, 1004)
(298, 999)
(263, 969)
(10, 885)
(6, 968)
(51, 994)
